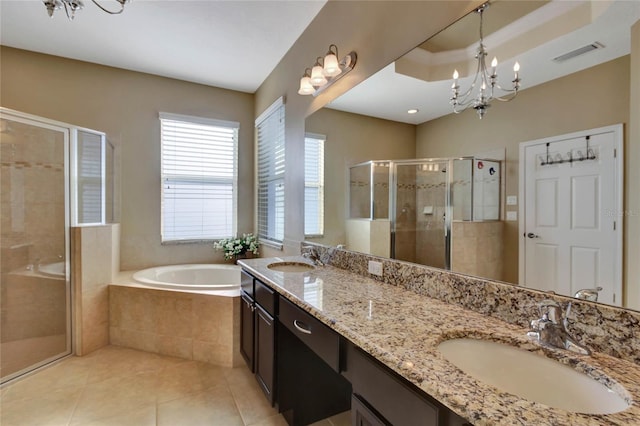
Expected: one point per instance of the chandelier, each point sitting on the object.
(485, 80)
(72, 6)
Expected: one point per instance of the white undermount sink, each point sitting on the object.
(531, 376)
(290, 267)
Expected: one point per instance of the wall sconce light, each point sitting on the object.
(326, 71)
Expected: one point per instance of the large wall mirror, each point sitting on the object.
(432, 172)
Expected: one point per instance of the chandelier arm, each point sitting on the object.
(110, 11)
(506, 98)
(465, 99)
(66, 10)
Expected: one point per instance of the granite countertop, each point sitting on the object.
(403, 329)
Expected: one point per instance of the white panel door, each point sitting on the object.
(571, 233)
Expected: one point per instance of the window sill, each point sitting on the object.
(180, 242)
(272, 244)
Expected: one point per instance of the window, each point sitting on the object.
(89, 175)
(313, 185)
(199, 178)
(270, 174)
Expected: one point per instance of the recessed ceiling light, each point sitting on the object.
(413, 111)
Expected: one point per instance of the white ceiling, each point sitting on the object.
(389, 95)
(229, 44)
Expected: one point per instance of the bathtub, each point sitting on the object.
(202, 277)
(185, 311)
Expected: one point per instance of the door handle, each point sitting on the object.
(532, 235)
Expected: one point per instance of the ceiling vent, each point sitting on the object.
(579, 51)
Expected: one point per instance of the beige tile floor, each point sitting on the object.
(125, 387)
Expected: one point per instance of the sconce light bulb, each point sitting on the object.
(455, 74)
(317, 76)
(331, 66)
(306, 88)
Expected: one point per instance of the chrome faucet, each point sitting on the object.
(551, 328)
(590, 294)
(311, 253)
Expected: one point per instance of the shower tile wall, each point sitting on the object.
(96, 261)
(477, 248)
(360, 192)
(381, 191)
(32, 232)
(430, 242)
(486, 190)
(406, 235)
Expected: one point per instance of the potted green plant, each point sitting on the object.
(235, 248)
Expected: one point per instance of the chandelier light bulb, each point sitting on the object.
(516, 67)
(455, 74)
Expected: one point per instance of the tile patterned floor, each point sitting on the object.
(124, 387)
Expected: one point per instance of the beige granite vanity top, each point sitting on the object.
(403, 329)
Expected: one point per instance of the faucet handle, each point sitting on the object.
(550, 310)
(590, 294)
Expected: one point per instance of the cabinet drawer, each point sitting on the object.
(265, 297)
(246, 283)
(317, 336)
(395, 400)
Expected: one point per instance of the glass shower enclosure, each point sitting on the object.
(52, 176)
(420, 210)
(34, 273)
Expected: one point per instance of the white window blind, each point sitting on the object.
(270, 173)
(314, 185)
(89, 171)
(199, 178)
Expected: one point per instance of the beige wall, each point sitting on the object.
(353, 139)
(125, 105)
(588, 99)
(379, 32)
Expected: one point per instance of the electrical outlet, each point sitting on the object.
(375, 268)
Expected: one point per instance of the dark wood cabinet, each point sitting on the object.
(247, 322)
(311, 372)
(388, 399)
(361, 415)
(258, 332)
(265, 352)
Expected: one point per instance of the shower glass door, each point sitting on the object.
(420, 225)
(34, 271)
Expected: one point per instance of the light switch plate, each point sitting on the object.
(375, 268)
(512, 200)
(512, 216)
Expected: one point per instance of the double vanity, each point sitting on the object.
(323, 339)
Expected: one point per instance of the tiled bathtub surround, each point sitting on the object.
(193, 326)
(603, 328)
(403, 331)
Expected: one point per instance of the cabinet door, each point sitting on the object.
(247, 323)
(361, 415)
(265, 352)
